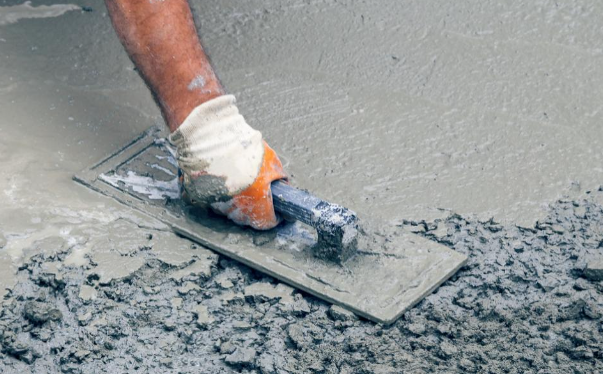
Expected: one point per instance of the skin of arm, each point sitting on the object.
(161, 39)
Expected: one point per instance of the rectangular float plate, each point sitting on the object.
(379, 284)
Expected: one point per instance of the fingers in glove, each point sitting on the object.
(254, 206)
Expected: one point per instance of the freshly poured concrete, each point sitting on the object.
(405, 109)
(399, 110)
(69, 95)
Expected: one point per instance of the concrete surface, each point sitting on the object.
(408, 109)
(521, 305)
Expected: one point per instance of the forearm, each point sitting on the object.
(161, 39)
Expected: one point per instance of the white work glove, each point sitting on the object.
(218, 153)
(226, 165)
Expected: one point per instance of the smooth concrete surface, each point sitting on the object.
(405, 109)
(397, 109)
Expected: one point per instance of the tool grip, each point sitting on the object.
(293, 203)
(336, 226)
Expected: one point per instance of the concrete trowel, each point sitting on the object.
(373, 269)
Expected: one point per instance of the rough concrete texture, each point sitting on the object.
(521, 305)
(481, 107)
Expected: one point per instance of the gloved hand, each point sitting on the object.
(226, 165)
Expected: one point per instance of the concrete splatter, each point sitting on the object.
(197, 83)
(12, 14)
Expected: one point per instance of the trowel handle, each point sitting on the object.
(296, 204)
(336, 225)
(292, 203)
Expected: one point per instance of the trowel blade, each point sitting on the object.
(391, 272)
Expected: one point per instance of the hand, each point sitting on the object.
(225, 165)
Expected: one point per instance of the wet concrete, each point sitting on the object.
(523, 304)
(450, 111)
(405, 109)
(12, 14)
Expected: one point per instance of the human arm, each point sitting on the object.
(225, 164)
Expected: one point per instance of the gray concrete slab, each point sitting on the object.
(407, 109)
(527, 75)
(419, 108)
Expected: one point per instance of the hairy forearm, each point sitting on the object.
(161, 39)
